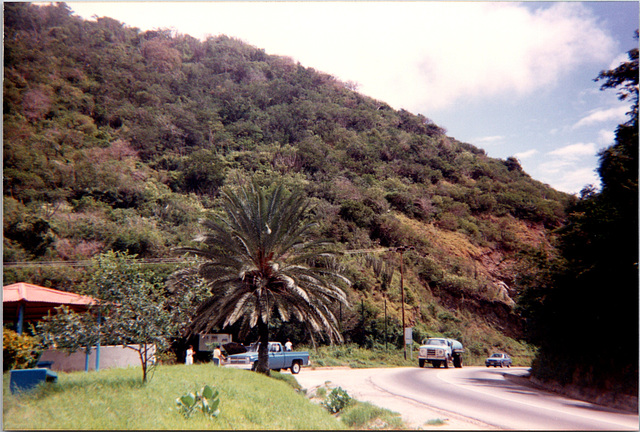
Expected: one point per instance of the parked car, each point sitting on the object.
(498, 359)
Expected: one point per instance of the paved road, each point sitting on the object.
(469, 398)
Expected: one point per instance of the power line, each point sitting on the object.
(86, 263)
(150, 261)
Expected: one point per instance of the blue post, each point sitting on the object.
(20, 318)
(98, 344)
(86, 360)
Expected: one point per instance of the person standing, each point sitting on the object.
(217, 354)
(288, 346)
(189, 357)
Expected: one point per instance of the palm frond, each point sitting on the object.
(257, 260)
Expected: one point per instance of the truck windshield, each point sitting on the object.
(435, 342)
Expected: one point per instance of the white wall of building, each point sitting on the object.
(110, 357)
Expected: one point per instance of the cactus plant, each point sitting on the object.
(206, 401)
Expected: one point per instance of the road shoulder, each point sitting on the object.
(358, 385)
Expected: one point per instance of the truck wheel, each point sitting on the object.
(457, 361)
(295, 368)
(446, 363)
(421, 363)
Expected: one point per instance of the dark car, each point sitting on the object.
(498, 359)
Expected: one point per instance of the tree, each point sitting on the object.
(259, 263)
(625, 79)
(594, 292)
(132, 304)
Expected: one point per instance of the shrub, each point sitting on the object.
(19, 351)
(357, 212)
(337, 400)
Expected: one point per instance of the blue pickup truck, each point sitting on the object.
(278, 358)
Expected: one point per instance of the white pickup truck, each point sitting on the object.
(441, 351)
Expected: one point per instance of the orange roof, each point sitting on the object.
(38, 301)
(34, 293)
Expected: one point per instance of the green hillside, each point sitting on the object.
(120, 139)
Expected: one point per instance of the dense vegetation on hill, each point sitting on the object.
(117, 139)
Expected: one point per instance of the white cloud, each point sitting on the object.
(489, 139)
(569, 168)
(621, 58)
(573, 181)
(574, 151)
(603, 115)
(606, 137)
(526, 154)
(417, 55)
(567, 176)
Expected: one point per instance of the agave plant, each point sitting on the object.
(258, 260)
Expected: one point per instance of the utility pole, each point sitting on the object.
(385, 323)
(401, 251)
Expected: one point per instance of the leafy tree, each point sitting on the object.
(132, 303)
(259, 262)
(593, 298)
(625, 79)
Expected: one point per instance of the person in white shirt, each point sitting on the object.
(189, 357)
(288, 346)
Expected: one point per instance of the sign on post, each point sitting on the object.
(408, 335)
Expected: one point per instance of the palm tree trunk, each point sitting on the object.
(263, 351)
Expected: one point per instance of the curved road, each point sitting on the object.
(482, 397)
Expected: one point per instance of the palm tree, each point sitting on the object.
(259, 261)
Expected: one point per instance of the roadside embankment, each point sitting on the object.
(609, 399)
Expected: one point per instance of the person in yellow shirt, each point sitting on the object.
(217, 354)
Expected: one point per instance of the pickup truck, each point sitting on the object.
(278, 358)
(441, 351)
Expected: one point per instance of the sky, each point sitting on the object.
(515, 79)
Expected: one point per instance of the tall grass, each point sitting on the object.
(363, 415)
(483, 345)
(115, 399)
(353, 356)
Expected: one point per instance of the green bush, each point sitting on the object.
(337, 400)
(19, 351)
(356, 211)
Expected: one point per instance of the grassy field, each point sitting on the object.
(115, 399)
